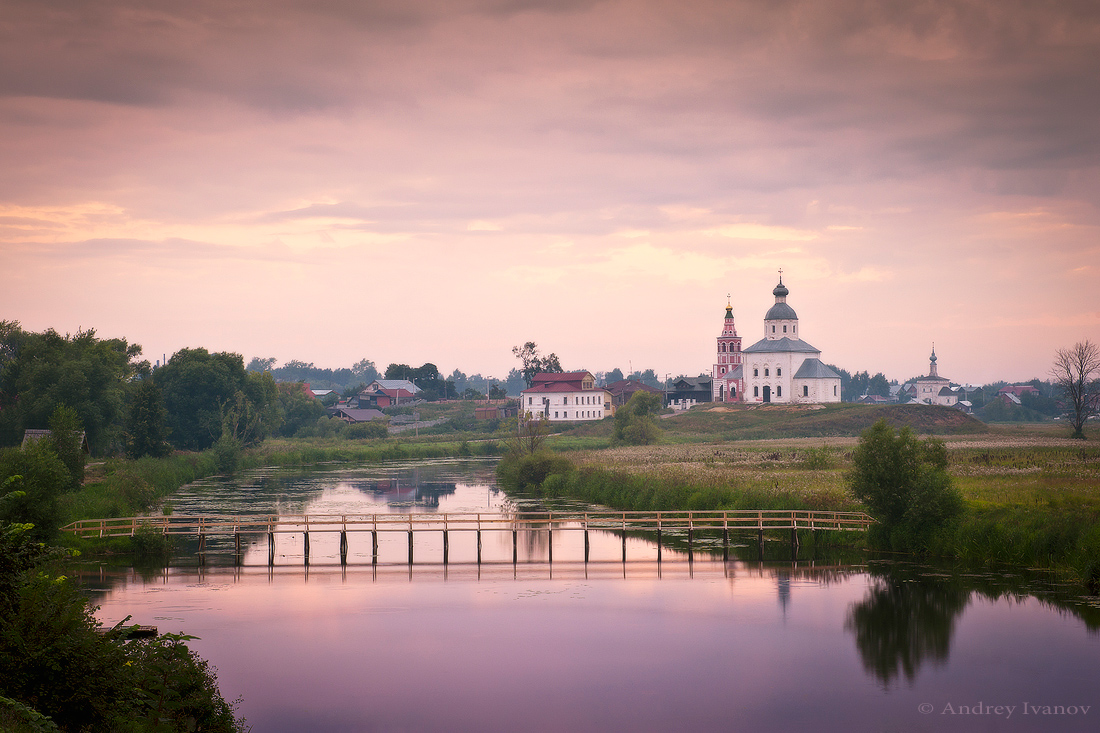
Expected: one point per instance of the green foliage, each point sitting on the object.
(527, 472)
(903, 482)
(66, 439)
(146, 429)
(635, 422)
(150, 544)
(364, 430)
(40, 477)
(39, 371)
(207, 394)
(533, 363)
(817, 459)
(227, 453)
(297, 408)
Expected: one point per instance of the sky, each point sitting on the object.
(333, 180)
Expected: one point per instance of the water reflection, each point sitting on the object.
(910, 613)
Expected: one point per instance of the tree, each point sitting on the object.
(261, 365)
(297, 408)
(398, 371)
(615, 375)
(38, 372)
(634, 421)
(533, 363)
(146, 429)
(206, 394)
(904, 484)
(365, 370)
(1075, 372)
(67, 442)
(37, 477)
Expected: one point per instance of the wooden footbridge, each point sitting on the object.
(684, 525)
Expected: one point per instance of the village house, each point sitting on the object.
(622, 390)
(566, 396)
(385, 393)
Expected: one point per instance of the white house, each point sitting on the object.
(568, 396)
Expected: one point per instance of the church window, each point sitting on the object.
(530, 400)
(766, 371)
(755, 391)
(779, 371)
(779, 391)
(784, 329)
(805, 390)
(773, 329)
(555, 413)
(723, 370)
(755, 372)
(834, 390)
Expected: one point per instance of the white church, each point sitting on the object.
(780, 367)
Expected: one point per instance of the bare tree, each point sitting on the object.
(1075, 371)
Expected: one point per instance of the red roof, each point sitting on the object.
(561, 376)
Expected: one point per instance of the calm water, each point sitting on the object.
(638, 646)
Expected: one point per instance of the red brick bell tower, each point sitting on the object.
(728, 382)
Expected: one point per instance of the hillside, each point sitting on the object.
(754, 422)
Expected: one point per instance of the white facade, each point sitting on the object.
(566, 397)
(782, 367)
(934, 389)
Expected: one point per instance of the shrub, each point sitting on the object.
(903, 482)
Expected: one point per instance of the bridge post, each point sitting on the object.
(270, 548)
(343, 547)
(515, 546)
(725, 543)
(691, 536)
(586, 544)
(237, 543)
(624, 542)
(446, 548)
(202, 542)
(374, 547)
(550, 545)
(479, 547)
(410, 547)
(760, 542)
(794, 544)
(306, 544)
(658, 540)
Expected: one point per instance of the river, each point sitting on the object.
(605, 645)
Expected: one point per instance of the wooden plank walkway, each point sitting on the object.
(677, 522)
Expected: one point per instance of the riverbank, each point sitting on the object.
(121, 487)
(1030, 499)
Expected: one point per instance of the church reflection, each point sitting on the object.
(406, 493)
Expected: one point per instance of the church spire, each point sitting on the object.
(932, 362)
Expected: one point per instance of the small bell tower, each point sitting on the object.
(725, 387)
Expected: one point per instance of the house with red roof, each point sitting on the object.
(566, 397)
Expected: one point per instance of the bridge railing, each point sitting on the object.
(205, 525)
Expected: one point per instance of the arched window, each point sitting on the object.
(755, 391)
(779, 391)
(779, 371)
(773, 329)
(765, 371)
(805, 390)
(784, 329)
(756, 372)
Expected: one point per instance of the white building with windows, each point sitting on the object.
(934, 389)
(782, 367)
(568, 396)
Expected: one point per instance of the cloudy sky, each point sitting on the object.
(332, 180)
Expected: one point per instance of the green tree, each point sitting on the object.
(904, 484)
(39, 371)
(635, 422)
(1075, 372)
(37, 477)
(146, 430)
(206, 394)
(534, 363)
(297, 408)
(67, 441)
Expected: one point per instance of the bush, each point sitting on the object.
(227, 453)
(42, 477)
(527, 473)
(361, 430)
(903, 482)
(634, 423)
